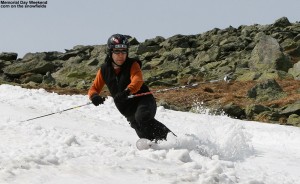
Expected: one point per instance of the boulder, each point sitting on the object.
(4, 64)
(48, 79)
(8, 56)
(36, 78)
(289, 109)
(234, 111)
(293, 120)
(154, 41)
(248, 76)
(267, 116)
(295, 71)
(274, 74)
(151, 76)
(46, 56)
(205, 57)
(291, 47)
(254, 109)
(142, 48)
(266, 90)
(267, 54)
(33, 66)
(176, 41)
(74, 71)
(133, 41)
(82, 51)
(282, 22)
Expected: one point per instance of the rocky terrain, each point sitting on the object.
(250, 72)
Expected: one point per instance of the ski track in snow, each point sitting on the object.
(96, 145)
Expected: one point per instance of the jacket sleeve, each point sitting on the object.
(97, 85)
(136, 78)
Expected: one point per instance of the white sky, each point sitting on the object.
(66, 23)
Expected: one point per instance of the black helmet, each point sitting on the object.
(117, 41)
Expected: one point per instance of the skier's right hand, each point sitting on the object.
(97, 99)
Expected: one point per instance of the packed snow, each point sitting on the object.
(96, 145)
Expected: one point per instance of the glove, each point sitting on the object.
(97, 100)
(122, 96)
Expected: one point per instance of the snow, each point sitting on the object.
(96, 145)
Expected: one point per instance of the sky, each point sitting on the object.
(64, 24)
(96, 145)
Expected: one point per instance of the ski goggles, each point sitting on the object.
(119, 51)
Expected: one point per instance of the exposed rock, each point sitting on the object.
(259, 53)
(249, 76)
(274, 74)
(234, 111)
(268, 54)
(267, 116)
(294, 120)
(36, 78)
(8, 56)
(33, 66)
(282, 22)
(155, 41)
(145, 48)
(295, 71)
(291, 47)
(48, 79)
(180, 41)
(266, 90)
(291, 109)
(46, 56)
(82, 51)
(255, 109)
(168, 106)
(76, 70)
(2, 64)
(205, 57)
(133, 41)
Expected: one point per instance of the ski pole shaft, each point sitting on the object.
(177, 87)
(57, 112)
(163, 90)
(141, 94)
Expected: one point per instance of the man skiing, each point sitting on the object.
(123, 77)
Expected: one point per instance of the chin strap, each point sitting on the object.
(116, 64)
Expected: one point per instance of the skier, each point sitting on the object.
(123, 77)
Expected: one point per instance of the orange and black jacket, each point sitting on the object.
(128, 76)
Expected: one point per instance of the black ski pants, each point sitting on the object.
(143, 121)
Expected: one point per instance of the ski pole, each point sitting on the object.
(177, 87)
(141, 94)
(163, 90)
(58, 112)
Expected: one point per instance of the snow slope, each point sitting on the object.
(96, 145)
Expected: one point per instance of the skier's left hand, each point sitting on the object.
(122, 96)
